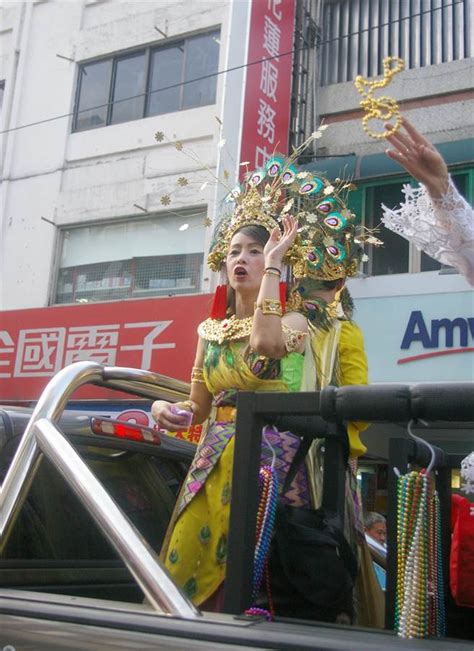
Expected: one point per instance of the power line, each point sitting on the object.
(233, 69)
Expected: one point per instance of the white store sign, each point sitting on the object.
(419, 338)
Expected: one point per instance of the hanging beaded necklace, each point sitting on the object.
(268, 482)
(419, 605)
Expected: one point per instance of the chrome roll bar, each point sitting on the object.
(42, 435)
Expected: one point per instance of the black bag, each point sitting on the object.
(312, 567)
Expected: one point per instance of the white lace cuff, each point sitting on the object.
(443, 228)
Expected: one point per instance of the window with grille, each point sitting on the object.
(357, 34)
(160, 256)
(148, 81)
(396, 255)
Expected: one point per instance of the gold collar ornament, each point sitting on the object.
(380, 108)
(231, 329)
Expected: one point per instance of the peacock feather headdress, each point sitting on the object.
(329, 242)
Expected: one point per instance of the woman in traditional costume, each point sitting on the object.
(254, 342)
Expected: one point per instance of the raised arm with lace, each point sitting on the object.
(442, 227)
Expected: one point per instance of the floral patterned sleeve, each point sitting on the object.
(443, 228)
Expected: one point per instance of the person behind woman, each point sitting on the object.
(435, 217)
(252, 344)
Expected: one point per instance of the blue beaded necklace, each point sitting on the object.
(268, 484)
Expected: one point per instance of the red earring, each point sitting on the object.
(219, 304)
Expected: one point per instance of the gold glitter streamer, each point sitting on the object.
(380, 108)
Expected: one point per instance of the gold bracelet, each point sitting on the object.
(197, 375)
(270, 306)
(188, 405)
(275, 269)
(270, 272)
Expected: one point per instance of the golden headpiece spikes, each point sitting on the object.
(328, 246)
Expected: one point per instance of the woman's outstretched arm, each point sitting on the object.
(435, 217)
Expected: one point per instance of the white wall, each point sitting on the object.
(71, 178)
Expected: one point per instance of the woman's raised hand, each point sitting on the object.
(420, 158)
(279, 243)
(169, 416)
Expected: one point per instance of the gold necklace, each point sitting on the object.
(230, 329)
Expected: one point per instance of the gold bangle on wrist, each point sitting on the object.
(197, 375)
(271, 272)
(188, 405)
(270, 306)
(276, 270)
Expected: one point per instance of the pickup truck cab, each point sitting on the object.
(84, 508)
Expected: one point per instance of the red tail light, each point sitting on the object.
(121, 430)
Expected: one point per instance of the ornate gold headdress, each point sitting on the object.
(327, 246)
(329, 241)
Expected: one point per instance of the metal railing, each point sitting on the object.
(43, 436)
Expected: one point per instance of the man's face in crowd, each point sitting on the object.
(378, 531)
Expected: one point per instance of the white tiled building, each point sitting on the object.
(66, 164)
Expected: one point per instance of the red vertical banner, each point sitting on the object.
(266, 114)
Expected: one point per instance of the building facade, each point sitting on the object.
(97, 208)
(416, 316)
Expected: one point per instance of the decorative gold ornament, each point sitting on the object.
(270, 306)
(293, 338)
(197, 375)
(188, 405)
(231, 329)
(382, 108)
(165, 200)
(182, 181)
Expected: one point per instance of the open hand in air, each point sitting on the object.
(279, 242)
(420, 158)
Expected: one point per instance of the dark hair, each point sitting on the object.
(259, 233)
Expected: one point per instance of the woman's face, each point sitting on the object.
(245, 264)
